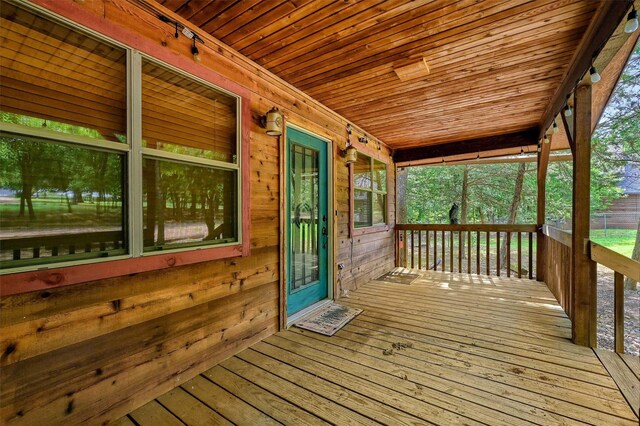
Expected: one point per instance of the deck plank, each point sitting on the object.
(190, 410)
(154, 414)
(623, 375)
(281, 410)
(479, 350)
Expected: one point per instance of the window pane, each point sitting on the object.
(361, 208)
(379, 209)
(183, 116)
(187, 205)
(362, 172)
(58, 202)
(59, 78)
(379, 176)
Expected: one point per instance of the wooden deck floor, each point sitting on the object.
(447, 349)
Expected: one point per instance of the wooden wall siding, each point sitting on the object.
(505, 58)
(89, 353)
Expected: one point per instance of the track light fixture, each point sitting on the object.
(187, 32)
(195, 52)
(632, 20)
(363, 139)
(595, 76)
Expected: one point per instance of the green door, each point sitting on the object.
(307, 222)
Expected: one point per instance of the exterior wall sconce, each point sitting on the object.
(272, 122)
(351, 154)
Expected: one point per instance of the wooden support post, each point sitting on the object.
(618, 307)
(582, 283)
(543, 162)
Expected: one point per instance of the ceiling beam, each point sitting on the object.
(601, 28)
(509, 140)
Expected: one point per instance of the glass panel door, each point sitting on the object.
(307, 225)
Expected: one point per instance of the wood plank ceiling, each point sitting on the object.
(494, 64)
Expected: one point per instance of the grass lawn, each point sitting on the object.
(620, 240)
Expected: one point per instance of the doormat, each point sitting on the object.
(399, 277)
(329, 319)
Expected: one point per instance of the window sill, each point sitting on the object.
(44, 279)
(369, 230)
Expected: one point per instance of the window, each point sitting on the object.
(369, 192)
(77, 182)
(189, 173)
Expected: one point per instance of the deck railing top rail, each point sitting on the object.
(467, 227)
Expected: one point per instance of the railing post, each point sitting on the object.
(582, 283)
(543, 162)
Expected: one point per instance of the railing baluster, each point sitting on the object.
(444, 252)
(468, 252)
(406, 251)
(419, 249)
(618, 307)
(426, 249)
(478, 252)
(412, 251)
(435, 250)
(488, 238)
(519, 254)
(460, 251)
(508, 248)
(451, 251)
(397, 234)
(498, 253)
(530, 255)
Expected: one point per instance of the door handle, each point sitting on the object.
(325, 234)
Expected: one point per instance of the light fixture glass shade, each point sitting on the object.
(351, 154)
(632, 22)
(595, 76)
(568, 112)
(274, 122)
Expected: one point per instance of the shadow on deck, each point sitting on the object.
(447, 349)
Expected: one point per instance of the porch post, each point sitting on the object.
(582, 283)
(543, 162)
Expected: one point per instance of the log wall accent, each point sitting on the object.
(89, 353)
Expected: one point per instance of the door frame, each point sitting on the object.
(285, 320)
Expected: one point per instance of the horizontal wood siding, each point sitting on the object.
(93, 352)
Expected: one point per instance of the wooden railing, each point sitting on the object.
(557, 273)
(557, 265)
(471, 249)
(55, 245)
(622, 267)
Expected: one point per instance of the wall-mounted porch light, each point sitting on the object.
(272, 121)
(350, 152)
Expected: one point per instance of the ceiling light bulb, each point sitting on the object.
(632, 22)
(546, 139)
(555, 127)
(595, 76)
(568, 112)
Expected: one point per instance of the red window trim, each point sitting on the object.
(23, 282)
(355, 232)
